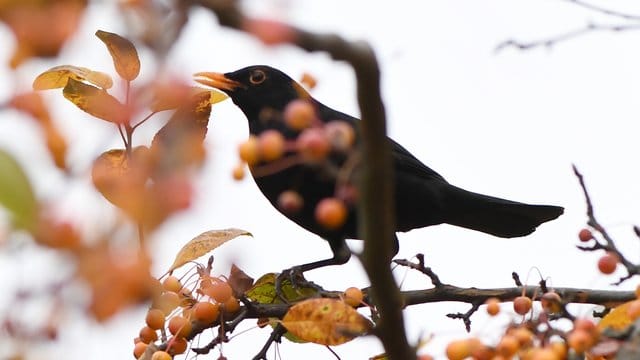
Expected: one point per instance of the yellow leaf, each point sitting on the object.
(204, 243)
(263, 290)
(95, 101)
(618, 318)
(325, 321)
(57, 77)
(124, 54)
(16, 194)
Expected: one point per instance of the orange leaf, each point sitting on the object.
(124, 54)
(618, 318)
(204, 243)
(95, 101)
(325, 321)
(57, 77)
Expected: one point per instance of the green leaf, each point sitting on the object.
(16, 194)
(95, 101)
(124, 54)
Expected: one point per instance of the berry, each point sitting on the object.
(353, 296)
(155, 319)
(586, 325)
(231, 305)
(148, 335)
(177, 345)
(179, 326)
(172, 283)
(521, 305)
(523, 335)
(493, 306)
(271, 145)
(340, 134)
(313, 145)
(168, 301)
(462, 349)
(238, 172)
(139, 349)
(308, 80)
(299, 114)
(585, 235)
(161, 355)
(205, 312)
(508, 346)
(608, 263)
(220, 291)
(290, 202)
(551, 302)
(248, 151)
(580, 341)
(331, 213)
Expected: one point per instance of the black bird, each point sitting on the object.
(422, 196)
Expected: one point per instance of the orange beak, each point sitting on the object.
(216, 80)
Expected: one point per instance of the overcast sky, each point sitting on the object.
(508, 124)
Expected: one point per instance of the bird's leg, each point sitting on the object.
(341, 254)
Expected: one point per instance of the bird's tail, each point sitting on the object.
(492, 215)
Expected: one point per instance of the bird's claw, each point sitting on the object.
(294, 276)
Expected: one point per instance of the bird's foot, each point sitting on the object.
(292, 286)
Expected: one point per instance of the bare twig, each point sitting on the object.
(602, 10)
(435, 280)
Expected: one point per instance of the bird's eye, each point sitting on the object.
(257, 77)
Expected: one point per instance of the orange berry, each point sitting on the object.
(205, 312)
(559, 348)
(313, 145)
(585, 235)
(299, 114)
(168, 301)
(172, 283)
(177, 345)
(586, 325)
(308, 80)
(458, 350)
(580, 341)
(542, 354)
(249, 151)
(353, 296)
(271, 145)
(340, 134)
(148, 335)
(290, 202)
(331, 213)
(493, 306)
(161, 355)
(220, 291)
(155, 319)
(523, 335)
(508, 346)
(521, 305)
(608, 263)
(238, 172)
(231, 305)
(179, 326)
(638, 291)
(139, 349)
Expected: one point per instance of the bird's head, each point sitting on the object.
(255, 89)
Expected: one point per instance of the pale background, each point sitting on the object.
(508, 124)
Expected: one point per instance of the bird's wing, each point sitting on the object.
(405, 162)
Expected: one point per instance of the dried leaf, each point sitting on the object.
(57, 77)
(16, 194)
(124, 54)
(95, 101)
(325, 321)
(618, 318)
(239, 281)
(204, 243)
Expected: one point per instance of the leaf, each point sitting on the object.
(239, 281)
(16, 194)
(618, 318)
(124, 54)
(57, 77)
(204, 243)
(263, 290)
(325, 321)
(167, 96)
(95, 101)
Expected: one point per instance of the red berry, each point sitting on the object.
(585, 235)
(299, 114)
(608, 263)
(313, 144)
(290, 202)
(179, 326)
(331, 213)
(521, 305)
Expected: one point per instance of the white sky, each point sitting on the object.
(507, 124)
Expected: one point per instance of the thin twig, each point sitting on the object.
(604, 11)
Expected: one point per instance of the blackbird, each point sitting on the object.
(422, 196)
